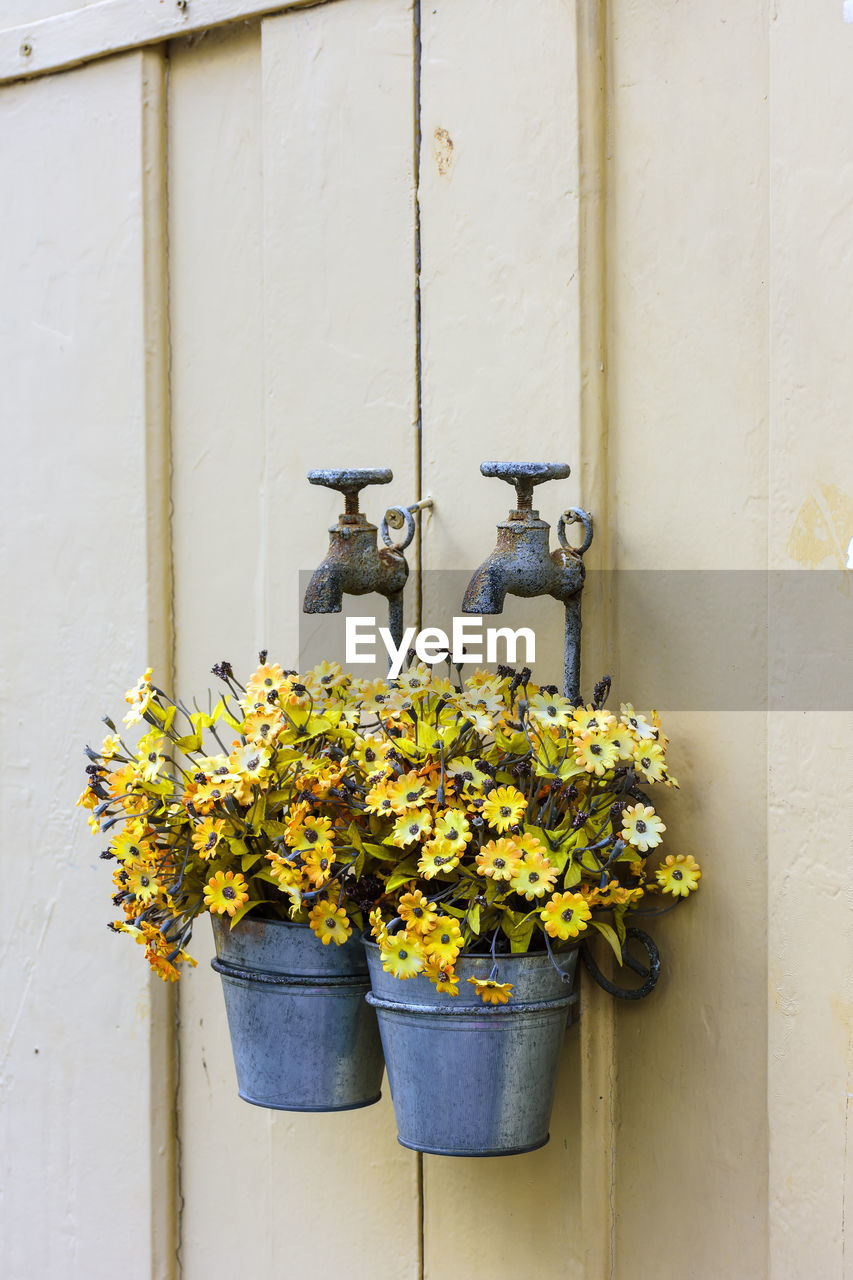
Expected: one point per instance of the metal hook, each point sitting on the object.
(575, 515)
(396, 517)
(651, 974)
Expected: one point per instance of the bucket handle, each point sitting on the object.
(651, 974)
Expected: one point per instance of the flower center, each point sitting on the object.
(641, 826)
(311, 835)
(438, 860)
(552, 711)
(414, 828)
(253, 763)
(403, 954)
(228, 892)
(445, 938)
(324, 862)
(152, 756)
(453, 834)
(533, 877)
(568, 913)
(211, 841)
(676, 875)
(595, 749)
(505, 811)
(330, 922)
(499, 862)
(646, 762)
(370, 755)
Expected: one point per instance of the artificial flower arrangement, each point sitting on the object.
(196, 825)
(489, 816)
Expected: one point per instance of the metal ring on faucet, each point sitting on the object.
(575, 515)
(405, 517)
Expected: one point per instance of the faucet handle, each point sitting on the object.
(350, 482)
(524, 475)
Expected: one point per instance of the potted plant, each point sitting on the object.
(508, 824)
(256, 834)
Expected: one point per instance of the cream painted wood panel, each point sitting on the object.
(292, 288)
(810, 848)
(501, 379)
(339, 382)
(85, 1068)
(216, 307)
(687, 201)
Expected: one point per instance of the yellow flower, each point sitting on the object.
(265, 681)
(378, 799)
(466, 775)
(371, 755)
(330, 923)
(545, 709)
(503, 808)
(636, 724)
(534, 876)
(444, 941)
(402, 955)
(452, 826)
(263, 725)
(142, 883)
(326, 675)
(225, 892)
(317, 866)
(415, 679)
(375, 697)
(150, 756)
(641, 827)
(140, 698)
(491, 992)
(248, 761)
(111, 746)
(410, 791)
(442, 977)
(565, 916)
(412, 826)
(679, 875)
(377, 926)
(596, 752)
(416, 910)
(287, 877)
(207, 836)
(313, 835)
(649, 760)
(437, 856)
(588, 720)
(499, 859)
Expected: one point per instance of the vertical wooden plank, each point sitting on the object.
(339, 377)
(810, 851)
(501, 379)
(216, 298)
(687, 336)
(84, 1065)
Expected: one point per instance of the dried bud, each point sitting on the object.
(222, 670)
(601, 692)
(262, 656)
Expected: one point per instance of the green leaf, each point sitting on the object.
(248, 861)
(382, 852)
(355, 837)
(474, 918)
(244, 910)
(273, 829)
(239, 848)
(572, 876)
(610, 934)
(407, 870)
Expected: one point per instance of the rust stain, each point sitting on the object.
(442, 149)
(822, 529)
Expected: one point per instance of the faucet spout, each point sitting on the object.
(324, 593)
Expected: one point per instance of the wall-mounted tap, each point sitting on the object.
(354, 565)
(522, 563)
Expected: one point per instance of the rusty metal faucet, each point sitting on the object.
(354, 565)
(523, 564)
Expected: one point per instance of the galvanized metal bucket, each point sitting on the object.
(302, 1034)
(469, 1079)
